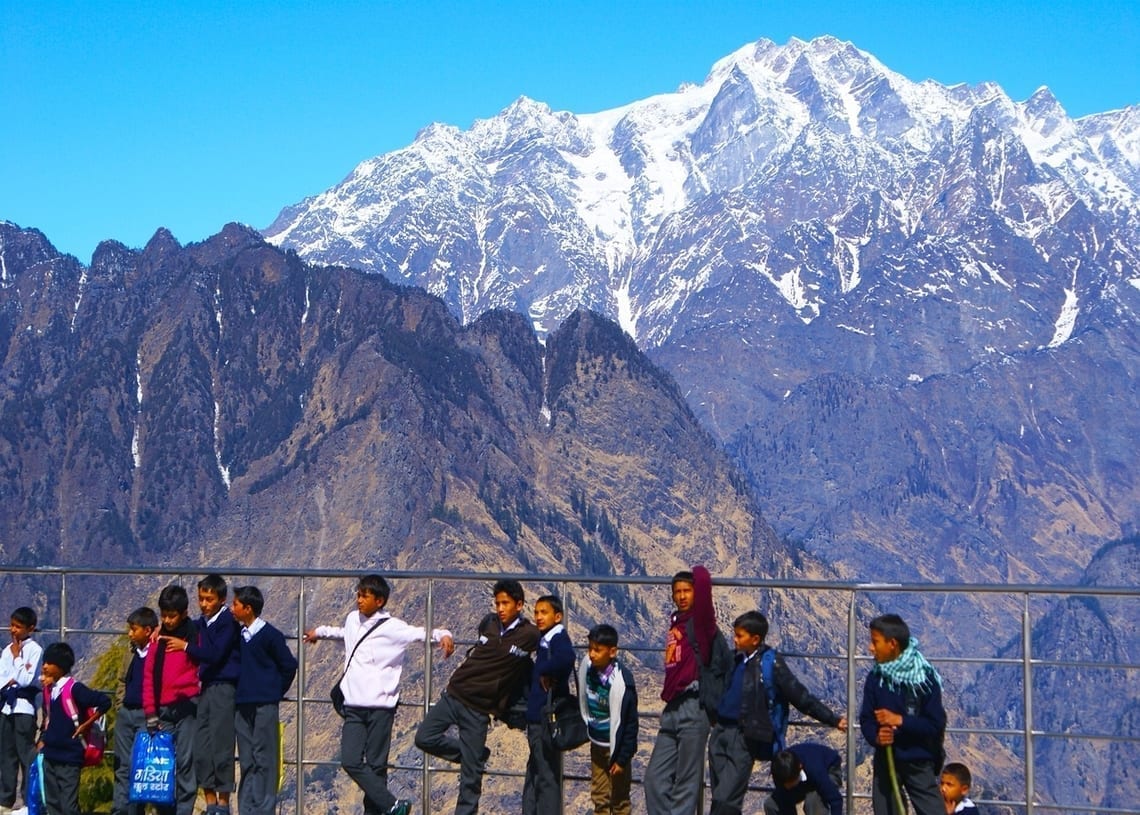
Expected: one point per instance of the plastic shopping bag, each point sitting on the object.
(152, 768)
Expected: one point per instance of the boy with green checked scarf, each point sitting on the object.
(903, 719)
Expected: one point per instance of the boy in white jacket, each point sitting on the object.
(374, 643)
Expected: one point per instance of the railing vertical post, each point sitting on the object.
(429, 625)
(852, 700)
(1027, 701)
(63, 606)
(300, 724)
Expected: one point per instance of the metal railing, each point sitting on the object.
(860, 602)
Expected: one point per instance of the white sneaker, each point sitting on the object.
(20, 811)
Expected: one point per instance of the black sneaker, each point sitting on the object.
(401, 807)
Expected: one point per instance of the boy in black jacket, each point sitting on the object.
(129, 716)
(608, 702)
(744, 731)
(496, 671)
(61, 741)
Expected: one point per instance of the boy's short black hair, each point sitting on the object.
(25, 616)
(143, 617)
(250, 596)
(174, 598)
(512, 588)
(785, 767)
(603, 634)
(60, 655)
(960, 771)
(754, 622)
(892, 627)
(682, 577)
(375, 585)
(553, 600)
(214, 583)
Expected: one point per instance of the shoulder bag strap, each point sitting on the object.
(348, 661)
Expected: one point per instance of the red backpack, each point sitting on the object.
(95, 740)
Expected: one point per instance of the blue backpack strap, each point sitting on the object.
(777, 707)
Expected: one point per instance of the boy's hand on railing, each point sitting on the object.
(842, 724)
(447, 645)
(310, 636)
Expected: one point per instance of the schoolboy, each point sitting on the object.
(142, 623)
(608, 702)
(375, 643)
(60, 742)
(170, 690)
(216, 651)
(553, 664)
(744, 731)
(495, 671)
(19, 692)
(902, 711)
(955, 788)
(806, 773)
(268, 668)
(676, 766)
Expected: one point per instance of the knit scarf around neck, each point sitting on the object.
(910, 669)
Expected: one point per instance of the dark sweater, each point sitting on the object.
(218, 649)
(133, 681)
(59, 745)
(818, 761)
(554, 660)
(497, 667)
(920, 736)
(267, 668)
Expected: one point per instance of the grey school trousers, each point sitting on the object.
(677, 765)
(365, 741)
(469, 750)
(258, 755)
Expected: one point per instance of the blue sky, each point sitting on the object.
(117, 118)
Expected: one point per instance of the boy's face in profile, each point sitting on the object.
(745, 642)
(683, 595)
(883, 649)
(368, 603)
(953, 790)
(171, 619)
(545, 617)
(209, 602)
(242, 613)
(601, 655)
(19, 631)
(507, 607)
(139, 635)
(50, 673)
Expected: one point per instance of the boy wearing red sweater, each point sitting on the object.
(170, 692)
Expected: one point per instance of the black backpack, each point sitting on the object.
(714, 676)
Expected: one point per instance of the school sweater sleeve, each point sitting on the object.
(285, 661)
(804, 700)
(867, 722)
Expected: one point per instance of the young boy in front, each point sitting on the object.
(216, 651)
(19, 689)
(955, 787)
(608, 703)
(170, 690)
(142, 623)
(553, 664)
(806, 773)
(268, 668)
(374, 646)
(902, 712)
(61, 740)
(744, 731)
(497, 668)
